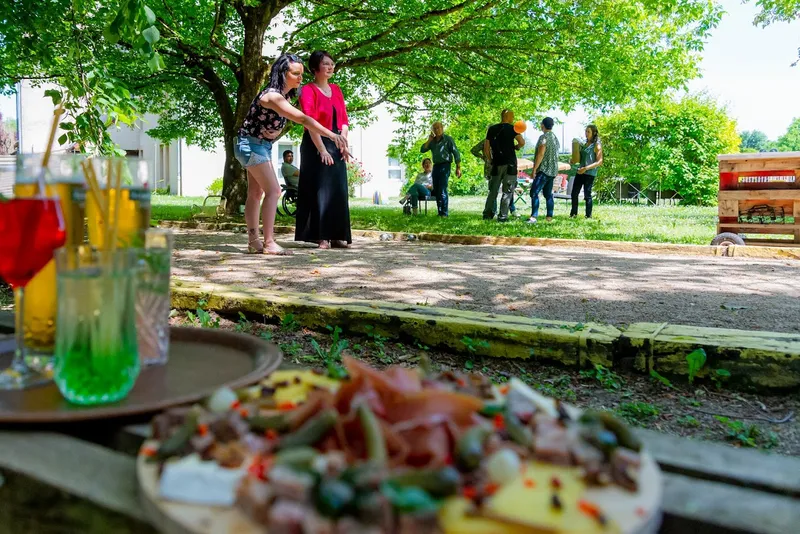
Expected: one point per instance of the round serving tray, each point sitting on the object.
(200, 361)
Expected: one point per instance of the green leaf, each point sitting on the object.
(696, 360)
(655, 374)
(62, 140)
(723, 373)
(55, 95)
(469, 365)
(149, 15)
(151, 35)
(155, 62)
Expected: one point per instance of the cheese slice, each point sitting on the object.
(194, 481)
(298, 392)
(526, 503)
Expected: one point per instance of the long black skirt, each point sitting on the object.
(323, 209)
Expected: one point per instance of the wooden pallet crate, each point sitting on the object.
(760, 194)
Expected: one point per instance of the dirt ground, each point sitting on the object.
(699, 411)
(553, 283)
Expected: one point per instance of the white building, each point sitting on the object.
(188, 170)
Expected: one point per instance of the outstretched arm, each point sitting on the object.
(279, 104)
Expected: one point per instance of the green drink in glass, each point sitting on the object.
(96, 356)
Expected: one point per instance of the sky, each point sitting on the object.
(745, 67)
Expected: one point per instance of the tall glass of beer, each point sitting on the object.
(63, 179)
(131, 173)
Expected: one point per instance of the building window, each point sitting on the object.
(395, 169)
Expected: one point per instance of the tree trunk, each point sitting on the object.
(251, 76)
(234, 181)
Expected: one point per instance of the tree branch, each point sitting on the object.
(219, 18)
(379, 101)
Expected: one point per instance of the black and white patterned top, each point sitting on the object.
(261, 122)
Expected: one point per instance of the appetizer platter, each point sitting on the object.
(394, 452)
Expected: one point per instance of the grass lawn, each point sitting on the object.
(611, 222)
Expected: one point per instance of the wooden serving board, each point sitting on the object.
(200, 361)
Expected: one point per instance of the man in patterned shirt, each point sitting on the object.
(545, 169)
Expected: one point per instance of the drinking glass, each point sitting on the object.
(96, 356)
(63, 179)
(132, 208)
(30, 230)
(153, 298)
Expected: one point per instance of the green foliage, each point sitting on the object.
(289, 323)
(696, 360)
(689, 420)
(672, 141)
(203, 319)
(719, 376)
(790, 141)
(8, 135)
(777, 11)
(637, 412)
(754, 140)
(748, 435)
(215, 187)
(356, 176)
(473, 345)
(657, 376)
(198, 64)
(607, 378)
(243, 324)
(332, 358)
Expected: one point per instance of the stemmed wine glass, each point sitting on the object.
(31, 229)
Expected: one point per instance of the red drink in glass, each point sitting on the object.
(31, 229)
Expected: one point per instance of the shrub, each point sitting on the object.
(671, 143)
(215, 188)
(356, 176)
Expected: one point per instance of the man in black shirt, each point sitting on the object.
(500, 148)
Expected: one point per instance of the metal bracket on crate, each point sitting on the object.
(764, 214)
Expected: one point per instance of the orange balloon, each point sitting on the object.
(520, 127)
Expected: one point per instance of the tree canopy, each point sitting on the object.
(790, 141)
(670, 143)
(199, 63)
(754, 140)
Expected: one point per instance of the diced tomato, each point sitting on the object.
(470, 492)
(529, 483)
(589, 508)
(148, 451)
(202, 429)
(286, 405)
(499, 422)
(235, 405)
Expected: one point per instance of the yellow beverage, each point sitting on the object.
(40, 293)
(133, 217)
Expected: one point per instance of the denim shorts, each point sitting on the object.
(251, 151)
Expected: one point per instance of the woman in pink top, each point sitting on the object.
(323, 211)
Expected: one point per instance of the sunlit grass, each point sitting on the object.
(611, 222)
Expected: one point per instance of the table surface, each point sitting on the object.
(88, 473)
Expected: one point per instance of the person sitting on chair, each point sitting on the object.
(422, 186)
(291, 174)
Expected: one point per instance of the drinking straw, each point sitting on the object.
(94, 188)
(114, 223)
(48, 149)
